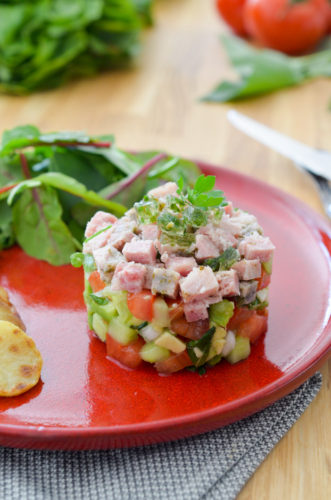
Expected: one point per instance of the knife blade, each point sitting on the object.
(318, 162)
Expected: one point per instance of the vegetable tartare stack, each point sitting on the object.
(180, 281)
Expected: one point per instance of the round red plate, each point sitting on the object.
(85, 401)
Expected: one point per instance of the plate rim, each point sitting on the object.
(270, 393)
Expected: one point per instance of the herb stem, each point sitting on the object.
(25, 166)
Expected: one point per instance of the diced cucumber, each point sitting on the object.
(89, 318)
(121, 332)
(221, 312)
(161, 312)
(150, 332)
(119, 299)
(240, 351)
(100, 326)
(171, 342)
(217, 343)
(153, 353)
(267, 266)
(263, 294)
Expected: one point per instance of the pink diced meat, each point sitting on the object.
(199, 284)
(205, 248)
(230, 225)
(106, 258)
(229, 283)
(182, 265)
(221, 239)
(150, 232)
(99, 221)
(149, 275)
(97, 242)
(142, 251)
(257, 247)
(163, 191)
(165, 282)
(129, 276)
(196, 310)
(122, 232)
(248, 269)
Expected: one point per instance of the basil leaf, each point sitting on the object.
(203, 344)
(262, 70)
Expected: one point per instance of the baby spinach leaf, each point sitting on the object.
(262, 71)
(38, 226)
(7, 237)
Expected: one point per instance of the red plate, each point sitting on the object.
(86, 401)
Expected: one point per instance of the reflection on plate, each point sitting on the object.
(86, 401)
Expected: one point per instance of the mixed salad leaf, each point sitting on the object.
(52, 184)
(262, 71)
(45, 43)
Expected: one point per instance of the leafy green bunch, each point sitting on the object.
(52, 184)
(180, 216)
(44, 43)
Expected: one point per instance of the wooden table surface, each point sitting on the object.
(155, 105)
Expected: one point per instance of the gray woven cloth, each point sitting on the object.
(215, 465)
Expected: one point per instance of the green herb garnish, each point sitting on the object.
(203, 345)
(101, 301)
(225, 261)
(86, 260)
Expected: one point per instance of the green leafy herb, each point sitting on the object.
(201, 370)
(79, 259)
(101, 301)
(141, 326)
(225, 261)
(203, 345)
(257, 304)
(203, 195)
(262, 70)
(97, 233)
(44, 44)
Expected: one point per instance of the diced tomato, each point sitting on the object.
(176, 308)
(240, 315)
(194, 330)
(141, 305)
(96, 282)
(253, 327)
(128, 355)
(264, 281)
(249, 323)
(174, 363)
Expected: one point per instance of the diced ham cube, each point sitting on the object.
(165, 282)
(99, 221)
(97, 242)
(163, 191)
(248, 269)
(229, 283)
(221, 239)
(150, 232)
(182, 265)
(196, 310)
(248, 222)
(214, 299)
(257, 247)
(205, 248)
(142, 251)
(199, 284)
(230, 225)
(107, 258)
(248, 291)
(149, 275)
(122, 232)
(128, 276)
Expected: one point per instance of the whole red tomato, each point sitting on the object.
(292, 26)
(232, 12)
